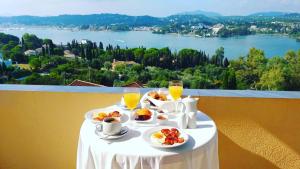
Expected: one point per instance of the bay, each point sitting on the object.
(273, 45)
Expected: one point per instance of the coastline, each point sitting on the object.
(76, 29)
(272, 44)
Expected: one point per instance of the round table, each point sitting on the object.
(132, 152)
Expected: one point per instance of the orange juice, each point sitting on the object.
(132, 100)
(175, 91)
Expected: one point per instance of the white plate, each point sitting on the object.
(147, 137)
(123, 132)
(90, 114)
(160, 103)
(145, 121)
(126, 108)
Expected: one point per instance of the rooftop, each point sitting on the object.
(84, 83)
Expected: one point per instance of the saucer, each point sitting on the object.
(123, 107)
(122, 133)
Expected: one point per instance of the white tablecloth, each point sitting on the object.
(132, 152)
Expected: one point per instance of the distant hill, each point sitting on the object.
(78, 20)
(199, 12)
(122, 22)
(270, 14)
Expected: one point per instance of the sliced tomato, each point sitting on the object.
(165, 132)
(174, 130)
(180, 140)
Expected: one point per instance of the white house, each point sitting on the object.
(216, 28)
(30, 53)
(39, 51)
(253, 28)
(68, 54)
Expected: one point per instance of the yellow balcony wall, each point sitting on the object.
(39, 129)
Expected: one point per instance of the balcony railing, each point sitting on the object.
(39, 125)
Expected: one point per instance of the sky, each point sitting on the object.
(158, 8)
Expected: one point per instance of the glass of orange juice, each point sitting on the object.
(176, 90)
(131, 97)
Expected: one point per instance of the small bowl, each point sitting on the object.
(162, 119)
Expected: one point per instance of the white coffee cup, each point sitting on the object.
(110, 126)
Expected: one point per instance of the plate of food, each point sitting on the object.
(158, 95)
(143, 116)
(159, 98)
(98, 115)
(165, 137)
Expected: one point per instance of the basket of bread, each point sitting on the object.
(159, 98)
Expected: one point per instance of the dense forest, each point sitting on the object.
(153, 67)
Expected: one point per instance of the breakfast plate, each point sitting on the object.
(96, 116)
(143, 115)
(165, 137)
(122, 133)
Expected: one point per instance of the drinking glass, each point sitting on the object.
(131, 97)
(175, 90)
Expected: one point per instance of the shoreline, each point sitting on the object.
(174, 41)
(74, 29)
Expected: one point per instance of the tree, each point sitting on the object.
(226, 62)
(5, 38)
(272, 79)
(144, 77)
(232, 80)
(101, 46)
(256, 58)
(43, 51)
(249, 69)
(225, 84)
(106, 77)
(18, 73)
(153, 84)
(49, 46)
(35, 64)
(107, 65)
(195, 83)
(35, 78)
(2, 68)
(151, 57)
(58, 51)
(31, 41)
(96, 63)
(165, 58)
(164, 84)
(6, 49)
(292, 76)
(138, 54)
(17, 55)
(190, 58)
(218, 57)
